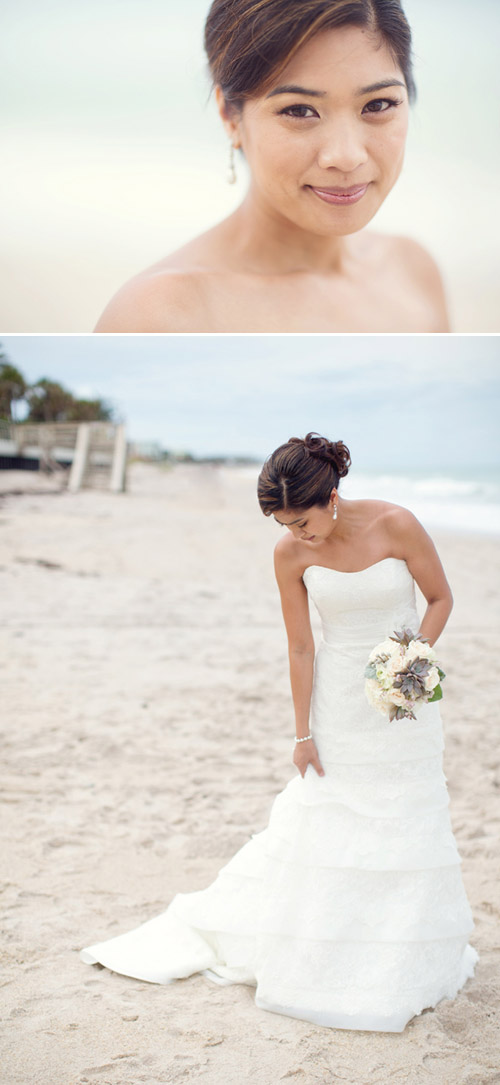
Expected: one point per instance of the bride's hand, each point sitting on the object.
(305, 754)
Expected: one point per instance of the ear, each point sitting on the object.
(229, 117)
(333, 495)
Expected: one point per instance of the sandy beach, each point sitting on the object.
(147, 729)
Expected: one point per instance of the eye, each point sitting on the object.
(299, 112)
(381, 105)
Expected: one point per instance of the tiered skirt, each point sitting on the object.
(349, 909)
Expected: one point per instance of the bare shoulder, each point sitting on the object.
(284, 550)
(398, 520)
(404, 533)
(287, 559)
(416, 261)
(403, 263)
(172, 295)
(160, 299)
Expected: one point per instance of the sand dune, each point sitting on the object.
(147, 728)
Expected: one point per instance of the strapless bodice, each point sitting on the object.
(360, 609)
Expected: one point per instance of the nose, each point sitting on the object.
(343, 146)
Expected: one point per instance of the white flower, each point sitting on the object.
(432, 679)
(376, 696)
(383, 678)
(417, 650)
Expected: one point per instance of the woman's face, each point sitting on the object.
(325, 143)
(311, 525)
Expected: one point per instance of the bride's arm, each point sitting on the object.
(295, 607)
(421, 556)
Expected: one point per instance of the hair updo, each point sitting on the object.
(248, 42)
(302, 473)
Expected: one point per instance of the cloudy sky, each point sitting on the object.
(397, 401)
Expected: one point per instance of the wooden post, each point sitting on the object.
(80, 458)
(119, 466)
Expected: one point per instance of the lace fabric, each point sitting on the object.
(348, 909)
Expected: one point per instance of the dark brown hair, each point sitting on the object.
(302, 473)
(248, 42)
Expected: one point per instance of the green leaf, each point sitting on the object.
(441, 673)
(371, 671)
(436, 696)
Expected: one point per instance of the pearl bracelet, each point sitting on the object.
(305, 739)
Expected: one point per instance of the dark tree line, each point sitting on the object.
(46, 400)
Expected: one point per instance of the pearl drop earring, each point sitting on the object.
(231, 173)
(335, 512)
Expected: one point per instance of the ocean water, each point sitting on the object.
(463, 503)
(468, 502)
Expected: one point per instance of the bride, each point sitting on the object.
(349, 909)
(315, 95)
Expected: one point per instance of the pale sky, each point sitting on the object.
(399, 401)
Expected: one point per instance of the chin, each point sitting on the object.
(343, 225)
(333, 221)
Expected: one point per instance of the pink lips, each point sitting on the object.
(340, 196)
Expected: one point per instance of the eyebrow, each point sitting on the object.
(382, 85)
(290, 521)
(292, 88)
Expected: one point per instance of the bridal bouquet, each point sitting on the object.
(402, 672)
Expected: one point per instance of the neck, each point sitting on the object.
(346, 526)
(268, 243)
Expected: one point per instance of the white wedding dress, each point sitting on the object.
(349, 909)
